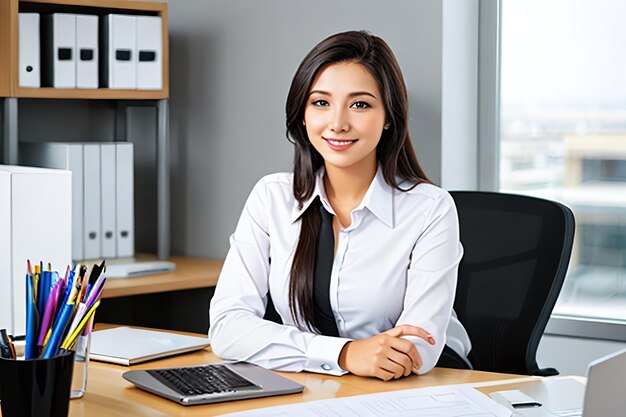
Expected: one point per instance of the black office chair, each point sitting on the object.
(517, 250)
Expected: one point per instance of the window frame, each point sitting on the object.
(489, 54)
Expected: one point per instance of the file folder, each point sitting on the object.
(67, 156)
(59, 57)
(149, 53)
(125, 200)
(92, 239)
(40, 231)
(119, 55)
(86, 51)
(107, 182)
(29, 52)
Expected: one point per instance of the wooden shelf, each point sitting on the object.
(190, 273)
(9, 10)
(91, 94)
(147, 5)
(8, 46)
(11, 92)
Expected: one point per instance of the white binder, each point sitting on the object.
(59, 37)
(39, 232)
(149, 53)
(92, 236)
(125, 200)
(68, 156)
(120, 60)
(28, 39)
(86, 51)
(107, 187)
(6, 276)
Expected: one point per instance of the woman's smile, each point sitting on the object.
(339, 144)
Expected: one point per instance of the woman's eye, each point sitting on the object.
(320, 103)
(360, 105)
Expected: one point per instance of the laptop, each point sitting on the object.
(603, 396)
(125, 270)
(128, 346)
(211, 383)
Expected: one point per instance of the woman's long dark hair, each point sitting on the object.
(394, 152)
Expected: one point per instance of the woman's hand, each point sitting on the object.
(386, 355)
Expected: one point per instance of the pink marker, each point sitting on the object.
(49, 312)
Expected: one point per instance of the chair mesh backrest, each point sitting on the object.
(517, 249)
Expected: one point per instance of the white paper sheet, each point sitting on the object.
(444, 401)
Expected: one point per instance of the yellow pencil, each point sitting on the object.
(69, 340)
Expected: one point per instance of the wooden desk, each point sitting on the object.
(109, 395)
(190, 273)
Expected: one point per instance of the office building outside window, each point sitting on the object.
(563, 134)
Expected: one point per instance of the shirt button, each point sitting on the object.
(326, 367)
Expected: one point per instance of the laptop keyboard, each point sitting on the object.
(202, 380)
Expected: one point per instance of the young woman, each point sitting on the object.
(357, 249)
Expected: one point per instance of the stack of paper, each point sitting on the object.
(444, 401)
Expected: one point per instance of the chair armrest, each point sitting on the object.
(545, 372)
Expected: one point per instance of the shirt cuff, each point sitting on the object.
(428, 353)
(323, 355)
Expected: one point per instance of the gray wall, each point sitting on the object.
(231, 66)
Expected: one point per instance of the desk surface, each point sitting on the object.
(190, 273)
(109, 395)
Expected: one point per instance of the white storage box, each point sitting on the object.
(35, 224)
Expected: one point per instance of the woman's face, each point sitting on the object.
(345, 116)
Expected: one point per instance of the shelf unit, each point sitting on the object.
(11, 92)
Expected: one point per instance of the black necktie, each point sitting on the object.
(324, 318)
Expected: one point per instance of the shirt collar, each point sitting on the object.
(318, 191)
(378, 199)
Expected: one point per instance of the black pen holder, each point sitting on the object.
(36, 387)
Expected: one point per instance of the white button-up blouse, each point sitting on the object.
(395, 264)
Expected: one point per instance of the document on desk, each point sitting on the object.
(444, 401)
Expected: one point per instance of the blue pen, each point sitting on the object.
(40, 282)
(54, 278)
(44, 290)
(31, 321)
(87, 293)
(65, 296)
(57, 333)
(39, 290)
(68, 289)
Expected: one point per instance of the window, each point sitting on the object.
(563, 134)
